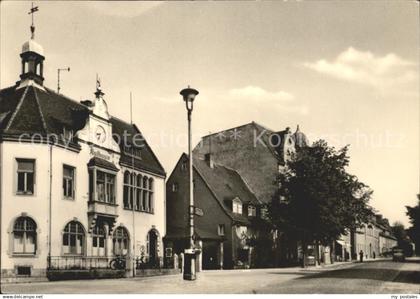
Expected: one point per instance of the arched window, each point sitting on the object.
(151, 203)
(120, 241)
(24, 236)
(98, 240)
(139, 184)
(73, 238)
(145, 198)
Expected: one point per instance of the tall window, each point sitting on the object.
(237, 206)
(73, 238)
(24, 236)
(120, 241)
(105, 186)
(145, 198)
(68, 182)
(98, 241)
(129, 189)
(25, 176)
(139, 183)
(151, 203)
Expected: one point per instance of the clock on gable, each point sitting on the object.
(100, 134)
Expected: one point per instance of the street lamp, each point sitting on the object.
(188, 95)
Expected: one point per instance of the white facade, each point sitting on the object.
(52, 211)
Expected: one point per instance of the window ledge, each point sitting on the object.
(140, 211)
(24, 255)
(103, 202)
(73, 255)
(24, 194)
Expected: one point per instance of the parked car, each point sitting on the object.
(398, 255)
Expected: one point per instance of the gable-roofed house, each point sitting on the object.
(78, 186)
(259, 155)
(224, 222)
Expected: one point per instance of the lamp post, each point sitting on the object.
(188, 95)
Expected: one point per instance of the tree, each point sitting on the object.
(318, 199)
(414, 231)
(402, 237)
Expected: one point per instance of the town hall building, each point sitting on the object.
(78, 186)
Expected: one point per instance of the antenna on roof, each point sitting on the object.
(131, 179)
(209, 142)
(67, 69)
(131, 109)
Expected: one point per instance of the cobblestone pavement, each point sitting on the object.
(382, 277)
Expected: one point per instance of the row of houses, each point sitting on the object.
(235, 177)
(80, 188)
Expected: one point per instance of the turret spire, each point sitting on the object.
(32, 12)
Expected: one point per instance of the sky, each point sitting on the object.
(345, 71)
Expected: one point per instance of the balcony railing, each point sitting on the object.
(102, 207)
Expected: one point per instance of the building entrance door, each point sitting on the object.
(152, 238)
(210, 255)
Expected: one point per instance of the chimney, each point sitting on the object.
(209, 160)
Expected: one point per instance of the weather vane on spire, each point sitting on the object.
(32, 12)
(98, 92)
(98, 82)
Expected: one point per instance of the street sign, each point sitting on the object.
(198, 212)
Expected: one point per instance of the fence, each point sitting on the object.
(80, 262)
(112, 262)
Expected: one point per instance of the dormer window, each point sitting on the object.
(67, 134)
(237, 206)
(252, 211)
(264, 212)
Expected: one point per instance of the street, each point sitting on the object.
(381, 277)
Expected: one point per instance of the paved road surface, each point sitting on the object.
(370, 277)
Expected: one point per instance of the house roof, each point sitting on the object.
(269, 138)
(226, 184)
(148, 161)
(33, 110)
(174, 233)
(43, 111)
